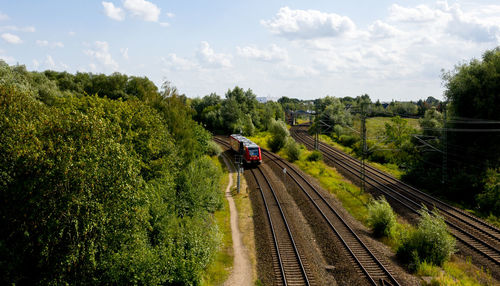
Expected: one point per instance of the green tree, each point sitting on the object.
(398, 136)
(279, 134)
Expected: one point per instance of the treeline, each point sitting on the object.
(238, 112)
(103, 180)
(469, 141)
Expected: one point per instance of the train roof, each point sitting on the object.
(246, 142)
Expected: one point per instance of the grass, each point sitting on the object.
(245, 223)
(219, 269)
(375, 126)
(455, 272)
(494, 220)
(389, 168)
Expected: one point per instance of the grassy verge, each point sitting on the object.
(388, 168)
(220, 268)
(454, 272)
(245, 223)
(245, 220)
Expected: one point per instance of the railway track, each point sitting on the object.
(471, 231)
(288, 264)
(368, 265)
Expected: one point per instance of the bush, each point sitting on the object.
(279, 134)
(213, 149)
(430, 243)
(315, 156)
(348, 140)
(292, 150)
(489, 200)
(381, 217)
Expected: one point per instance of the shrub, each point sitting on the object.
(381, 217)
(292, 150)
(213, 149)
(279, 134)
(489, 200)
(347, 140)
(315, 156)
(430, 243)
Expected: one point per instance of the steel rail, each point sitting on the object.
(272, 226)
(493, 233)
(351, 232)
(393, 193)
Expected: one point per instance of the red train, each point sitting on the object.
(251, 151)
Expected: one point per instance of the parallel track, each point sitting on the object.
(471, 231)
(289, 266)
(367, 263)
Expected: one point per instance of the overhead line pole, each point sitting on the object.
(445, 149)
(363, 156)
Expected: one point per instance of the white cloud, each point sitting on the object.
(143, 9)
(36, 63)
(49, 62)
(45, 43)
(71, 33)
(164, 24)
(124, 52)
(27, 29)
(4, 17)
(11, 38)
(102, 55)
(308, 24)
(115, 13)
(472, 28)
(382, 30)
(170, 15)
(8, 59)
(174, 62)
(211, 59)
(273, 54)
(420, 13)
(291, 71)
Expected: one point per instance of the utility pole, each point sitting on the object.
(316, 136)
(363, 156)
(239, 161)
(445, 150)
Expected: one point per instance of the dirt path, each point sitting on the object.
(242, 269)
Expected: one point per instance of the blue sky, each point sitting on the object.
(304, 49)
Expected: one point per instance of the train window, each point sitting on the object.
(253, 151)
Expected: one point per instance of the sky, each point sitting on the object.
(302, 49)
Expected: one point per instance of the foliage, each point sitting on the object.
(398, 136)
(431, 242)
(431, 122)
(279, 133)
(98, 190)
(489, 200)
(381, 217)
(315, 156)
(214, 149)
(292, 150)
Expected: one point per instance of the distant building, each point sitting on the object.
(264, 99)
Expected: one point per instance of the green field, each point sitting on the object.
(375, 126)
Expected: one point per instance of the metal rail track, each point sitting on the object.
(474, 233)
(368, 264)
(289, 267)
